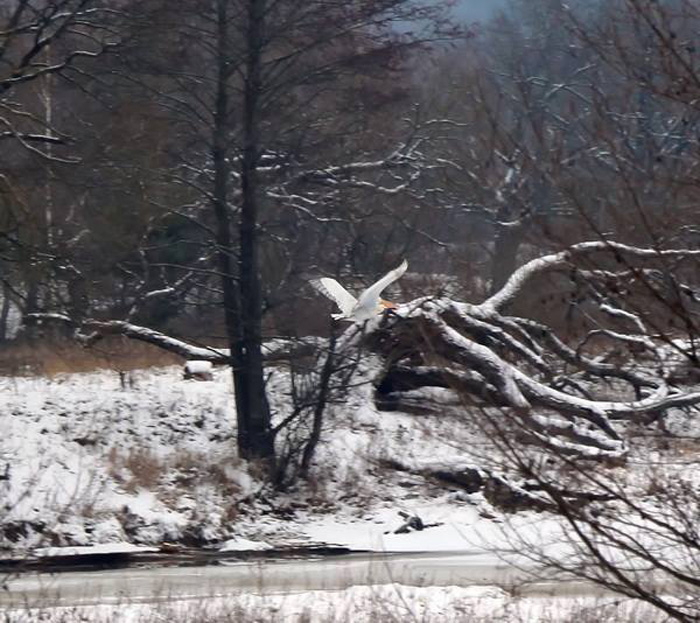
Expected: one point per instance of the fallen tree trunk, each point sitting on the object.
(554, 391)
(90, 331)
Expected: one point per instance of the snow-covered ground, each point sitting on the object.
(90, 462)
(86, 461)
(358, 604)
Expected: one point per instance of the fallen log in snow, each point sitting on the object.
(560, 396)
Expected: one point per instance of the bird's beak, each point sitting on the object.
(387, 304)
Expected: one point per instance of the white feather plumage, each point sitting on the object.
(369, 302)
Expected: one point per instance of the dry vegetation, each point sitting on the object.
(173, 476)
(53, 356)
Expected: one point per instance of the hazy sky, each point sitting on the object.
(473, 10)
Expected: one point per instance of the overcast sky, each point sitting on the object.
(473, 10)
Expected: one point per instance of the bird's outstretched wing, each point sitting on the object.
(373, 292)
(334, 291)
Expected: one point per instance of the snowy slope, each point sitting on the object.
(91, 462)
(85, 461)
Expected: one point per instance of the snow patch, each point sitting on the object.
(105, 548)
(243, 545)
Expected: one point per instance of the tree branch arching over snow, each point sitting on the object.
(520, 364)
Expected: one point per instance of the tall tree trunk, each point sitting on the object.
(224, 238)
(260, 441)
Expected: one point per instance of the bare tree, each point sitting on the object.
(638, 541)
(257, 98)
(40, 42)
(39, 39)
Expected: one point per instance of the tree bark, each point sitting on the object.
(259, 441)
(320, 407)
(224, 238)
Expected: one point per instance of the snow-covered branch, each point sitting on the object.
(621, 253)
(90, 331)
(521, 366)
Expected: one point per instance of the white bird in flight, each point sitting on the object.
(368, 305)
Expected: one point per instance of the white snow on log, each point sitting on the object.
(489, 364)
(622, 313)
(157, 338)
(522, 275)
(196, 368)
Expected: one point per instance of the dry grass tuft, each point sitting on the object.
(139, 469)
(191, 468)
